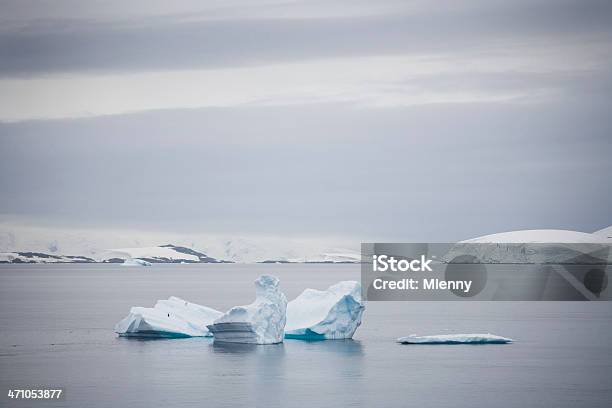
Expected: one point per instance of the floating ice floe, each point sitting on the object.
(455, 339)
(261, 322)
(136, 262)
(334, 313)
(170, 318)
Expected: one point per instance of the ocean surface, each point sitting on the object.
(56, 331)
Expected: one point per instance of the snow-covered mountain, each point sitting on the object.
(104, 245)
(34, 244)
(159, 254)
(39, 257)
(332, 257)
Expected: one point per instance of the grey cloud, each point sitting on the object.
(586, 83)
(146, 43)
(448, 172)
(431, 172)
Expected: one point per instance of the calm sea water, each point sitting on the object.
(56, 331)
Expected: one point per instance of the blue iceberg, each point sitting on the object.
(261, 322)
(330, 314)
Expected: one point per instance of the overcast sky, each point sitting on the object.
(368, 120)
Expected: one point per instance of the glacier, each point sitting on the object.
(261, 322)
(169, 318)
(334, 313)
(455, 339)
(534, 247)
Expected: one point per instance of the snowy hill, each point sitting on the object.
(160, 254)
(175, 254)
(335, 257)
(39, 257)
(20, 243)
(95, 244)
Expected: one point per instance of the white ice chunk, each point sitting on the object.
(173, 317)
(334, 313)
(455, 339)
(261, 322)
(135, 262)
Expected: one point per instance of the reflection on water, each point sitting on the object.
(352, 348)
(295, 370)
(347, 346)
(267, 350)
(152, 338)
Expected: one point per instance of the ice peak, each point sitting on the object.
(266, 285)
(261, 322)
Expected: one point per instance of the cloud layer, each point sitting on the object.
(396, 120)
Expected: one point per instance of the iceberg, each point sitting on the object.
(455, 339)
(169, 318)
(261, 322)
(334, 313)
(136, 262)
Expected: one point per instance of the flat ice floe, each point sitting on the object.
(455, 339)
(136, 262)
(169, 318)
(334, 313)
(261, 322)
